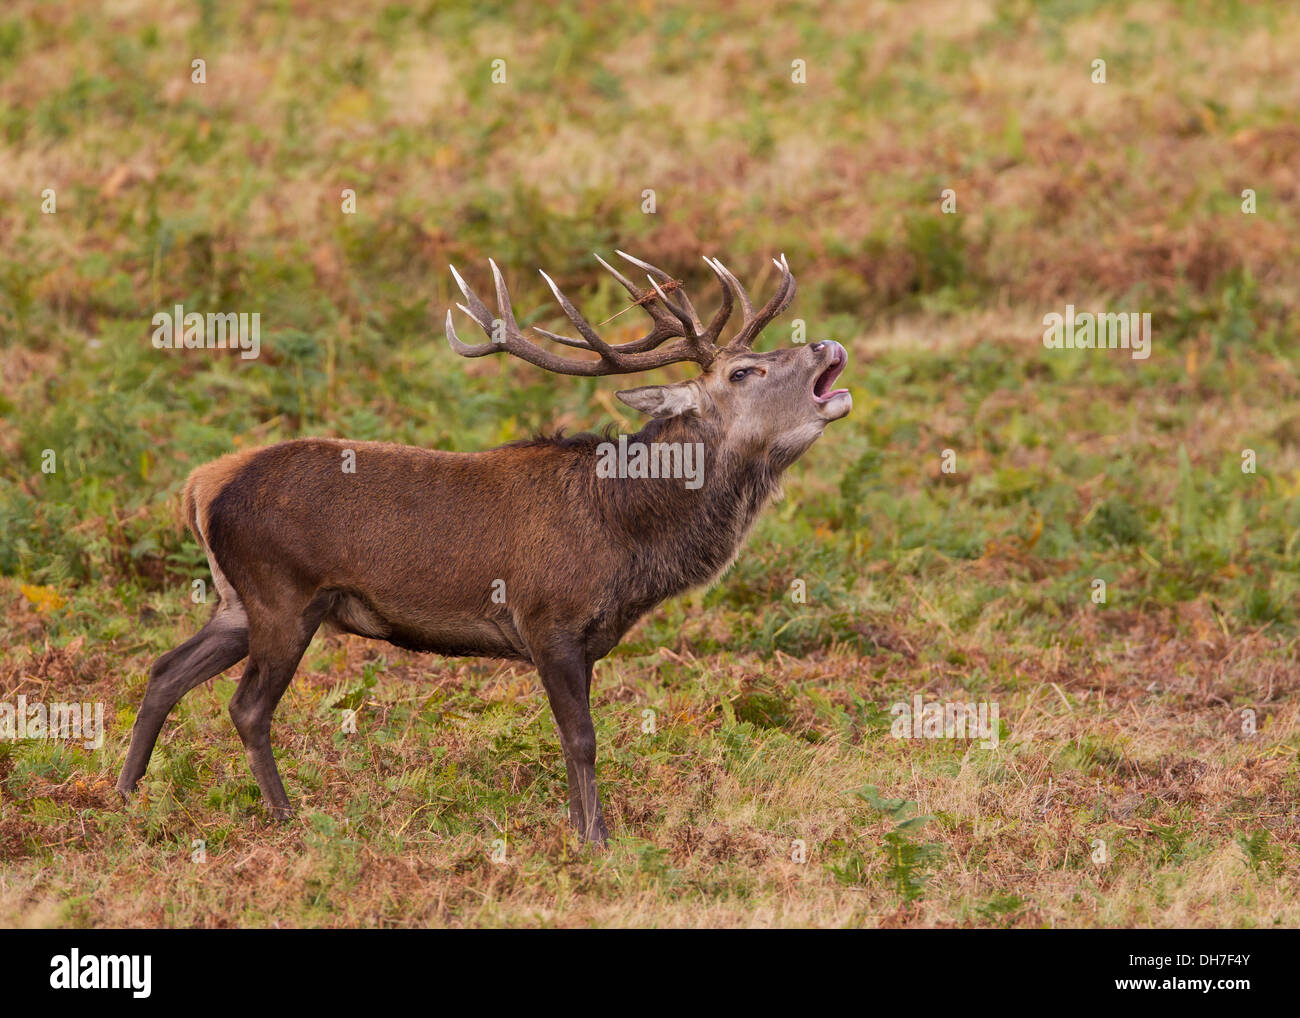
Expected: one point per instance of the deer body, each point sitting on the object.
(523, 552)
(473, 542)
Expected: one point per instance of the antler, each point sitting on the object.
(692, 341)
(756, 323)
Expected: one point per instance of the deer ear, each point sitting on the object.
(662, 400)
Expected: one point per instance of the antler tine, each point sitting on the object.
(594, 342)
(689, 320)
(724, 309)
(631, 287)
(670, 320)
(577, 344)
(503, 298)
(477, 310)
(511, 340)
(658, 275)
(667, 325)
(756, 322)
(733, 284)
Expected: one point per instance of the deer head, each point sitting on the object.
(772, 404)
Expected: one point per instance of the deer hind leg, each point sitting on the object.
(277, 641)
(214, 648)
(222, 642)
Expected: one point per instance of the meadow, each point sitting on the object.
(948, 536)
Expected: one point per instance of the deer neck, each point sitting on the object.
(684, 530)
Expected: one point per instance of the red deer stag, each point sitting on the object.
(536, 551)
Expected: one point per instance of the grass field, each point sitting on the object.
(1148, 766)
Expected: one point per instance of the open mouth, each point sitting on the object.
(822, 391)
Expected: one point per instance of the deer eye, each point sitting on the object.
(739, 373)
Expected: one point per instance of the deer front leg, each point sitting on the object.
(567, 679)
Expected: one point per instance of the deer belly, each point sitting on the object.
(454, 633)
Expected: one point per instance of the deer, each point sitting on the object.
(528, 552)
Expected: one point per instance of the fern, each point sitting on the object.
(907, 862)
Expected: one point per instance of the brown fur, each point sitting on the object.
(412, 547)
(204, 483)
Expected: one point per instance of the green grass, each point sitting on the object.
(1122, 721)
